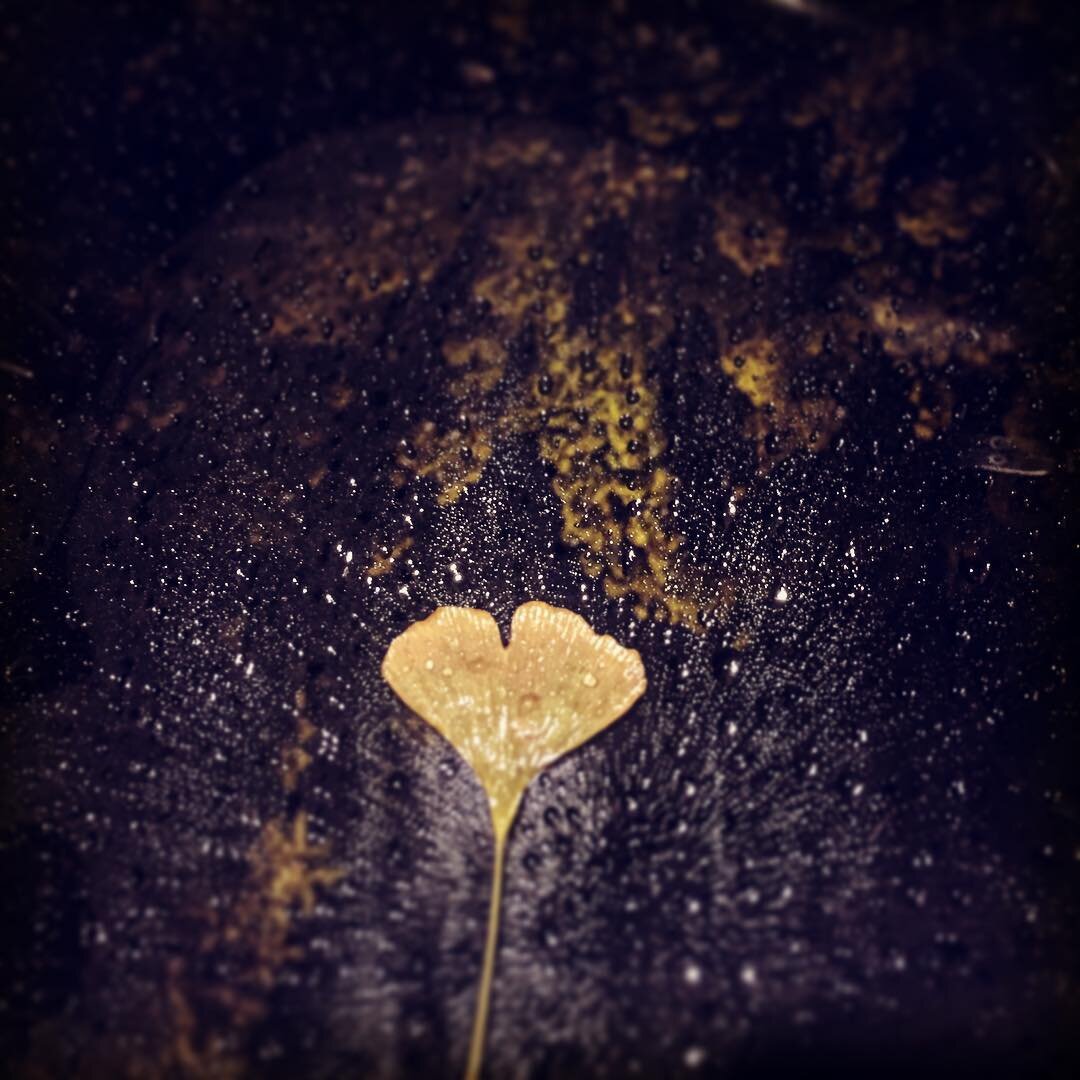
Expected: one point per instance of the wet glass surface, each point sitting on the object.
(747, 334)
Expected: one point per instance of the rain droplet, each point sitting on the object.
(694, 1057)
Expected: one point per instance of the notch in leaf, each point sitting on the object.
(510, 712)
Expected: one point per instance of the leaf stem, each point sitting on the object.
(483, 997)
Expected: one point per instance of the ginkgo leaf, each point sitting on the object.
(510, 711)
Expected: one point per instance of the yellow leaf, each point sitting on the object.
(510, 711)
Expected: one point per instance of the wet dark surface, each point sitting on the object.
(700, 326)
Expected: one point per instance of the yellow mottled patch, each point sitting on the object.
(757, 372)
(599, 430)
(477, 365)
(396, 234)
(454, 459)
(594, 414)
(934, 336)
(307, 439)
(163, 419)
(501, 153)
(938, 212)
(934, 215)
(340, 397)
(750, 244)
(512, 21)
(386, 560)
(857, 106)
(659, 123)
(935, 407)
(605, 178)
(291, 870)
(206, 1020)
(590, 403)
(295, 759)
